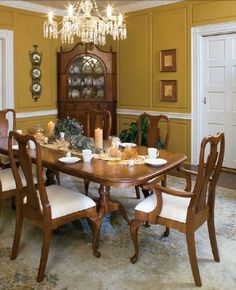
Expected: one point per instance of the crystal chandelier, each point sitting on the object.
(84, 20)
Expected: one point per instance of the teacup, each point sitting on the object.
(152, 153)
(87, 155)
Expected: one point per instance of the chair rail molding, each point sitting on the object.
(197, 38)
(36, 114)
(168, 114)
(7, 69)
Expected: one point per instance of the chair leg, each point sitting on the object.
(47, 234)
(134, 227)
(137, 192)
(86, 186)
(212, 236)
(96, 225)
(166, 232)
(17, 236)
(57, 173)
(146, 192)
(193, 257)
(163, 182)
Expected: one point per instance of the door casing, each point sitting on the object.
(197, 34)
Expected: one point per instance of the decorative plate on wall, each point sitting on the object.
(36, 73)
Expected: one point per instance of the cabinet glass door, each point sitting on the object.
(86, 78)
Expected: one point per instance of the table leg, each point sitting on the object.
(106, 205)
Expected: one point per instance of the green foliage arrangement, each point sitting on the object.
(69, 126)
(130, 134)
(73, 134)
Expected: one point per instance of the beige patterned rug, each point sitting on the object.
(163, 262)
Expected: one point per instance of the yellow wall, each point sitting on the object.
(27, 28)
(152, 30)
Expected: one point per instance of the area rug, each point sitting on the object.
(163, 262)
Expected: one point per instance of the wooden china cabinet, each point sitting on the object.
(86, 80)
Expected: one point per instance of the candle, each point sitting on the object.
(98, 138)
(39, 136)
(51, 126)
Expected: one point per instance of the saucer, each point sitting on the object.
(128, 145)
(69, 160)
(155, 161)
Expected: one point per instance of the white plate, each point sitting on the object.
(69, 160)
(128, 145)
(155, 161)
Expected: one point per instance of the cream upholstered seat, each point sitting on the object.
(174, 207)
(47, 207)
(8, 181)
(185, 210)
(65, 201)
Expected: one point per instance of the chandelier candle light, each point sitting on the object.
(85, 21)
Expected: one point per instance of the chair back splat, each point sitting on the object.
(4, 123)
(208, 171)
(34, 197)
(157, 127)
(98, 119)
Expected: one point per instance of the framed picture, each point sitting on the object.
(168, 91)
(168, 60)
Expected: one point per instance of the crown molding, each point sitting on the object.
(139, 5)
(31, 7)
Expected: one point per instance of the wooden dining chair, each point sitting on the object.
(47, 207)
(97, 119)
(156, 135)
(186, 210)
(6, 116)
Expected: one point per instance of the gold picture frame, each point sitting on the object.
(168, 60)
(168, 91)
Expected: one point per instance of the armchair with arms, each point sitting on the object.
(186, 210)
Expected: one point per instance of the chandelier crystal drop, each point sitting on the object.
(85, 21)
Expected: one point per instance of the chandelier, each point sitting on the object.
(85, 21)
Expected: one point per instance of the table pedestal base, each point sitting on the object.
(106, 205)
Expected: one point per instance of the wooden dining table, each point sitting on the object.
(104, 172)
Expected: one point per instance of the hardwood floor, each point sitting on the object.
(226, 179)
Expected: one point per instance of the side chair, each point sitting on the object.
(97, 119)
(5, 116)
(47, 207)
(186, 210)
(158, 129)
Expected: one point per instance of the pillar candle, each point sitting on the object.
(99, 138)
(51, 126)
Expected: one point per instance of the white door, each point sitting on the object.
(219, 91)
